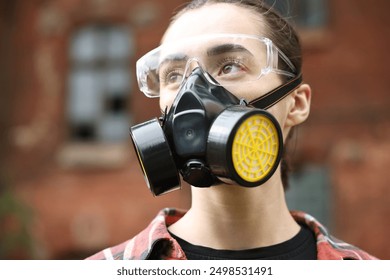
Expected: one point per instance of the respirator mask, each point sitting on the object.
(208, 136)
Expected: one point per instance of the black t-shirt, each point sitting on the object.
(301, 247)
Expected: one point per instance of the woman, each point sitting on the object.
(250, 51)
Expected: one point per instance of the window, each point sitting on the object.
(306, 14)
(99, 84)
(310, 192)
(97, 108)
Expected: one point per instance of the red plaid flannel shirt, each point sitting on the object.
(155, 242)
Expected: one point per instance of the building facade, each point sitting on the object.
(69, 174)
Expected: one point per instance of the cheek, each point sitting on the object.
(253, 90)
(279, 111)
(166, 101)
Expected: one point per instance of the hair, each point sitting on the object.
(282, 34)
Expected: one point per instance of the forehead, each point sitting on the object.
(215, 18)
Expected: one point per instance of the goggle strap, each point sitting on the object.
(274, 96)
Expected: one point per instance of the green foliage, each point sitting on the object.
(15, 219)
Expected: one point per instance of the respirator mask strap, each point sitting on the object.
(274, 96)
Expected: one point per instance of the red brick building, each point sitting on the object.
(73, 167)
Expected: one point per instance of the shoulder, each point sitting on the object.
(113, 253)
(145, 243)
(329, 247)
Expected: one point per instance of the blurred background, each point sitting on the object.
(70, 184)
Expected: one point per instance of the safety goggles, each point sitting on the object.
(226, 59)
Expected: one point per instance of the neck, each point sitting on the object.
(236, 218)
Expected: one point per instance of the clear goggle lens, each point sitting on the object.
(227, 58)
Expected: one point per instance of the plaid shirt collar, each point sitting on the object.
(155, 242)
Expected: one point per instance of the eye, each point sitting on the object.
(171, 77)
(231, 66)
(174, 77)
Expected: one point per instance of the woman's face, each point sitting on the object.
(229, 19)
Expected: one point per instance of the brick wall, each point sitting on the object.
(349, 127)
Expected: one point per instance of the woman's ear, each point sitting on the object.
(299, 107)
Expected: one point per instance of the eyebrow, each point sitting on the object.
(177, 57)
(221, 49)
(213, 51)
